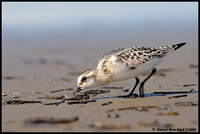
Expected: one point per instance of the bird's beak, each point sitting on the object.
(78, 89)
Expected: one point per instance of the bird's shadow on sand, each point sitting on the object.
(146, 95)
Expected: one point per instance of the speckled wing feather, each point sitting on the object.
(133, 57)
(110, 53)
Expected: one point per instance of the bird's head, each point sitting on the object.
(87, 79)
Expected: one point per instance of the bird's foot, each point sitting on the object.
(128, 96)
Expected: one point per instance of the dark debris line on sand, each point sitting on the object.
(59, 90)
(187, 85)
(112, 87)
(186, 103)
(19, 102)
(52, 97)
(173, 92)
(49, 121)
(80, 102)
(178, 96)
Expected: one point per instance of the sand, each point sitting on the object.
(34, 71)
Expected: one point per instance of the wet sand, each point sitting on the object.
(35, 71)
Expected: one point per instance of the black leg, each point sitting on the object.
(131, 93)
(142, 83)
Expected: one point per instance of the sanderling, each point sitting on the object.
(123, 64)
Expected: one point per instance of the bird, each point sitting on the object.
(123, 64)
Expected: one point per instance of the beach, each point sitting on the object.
(30, 72)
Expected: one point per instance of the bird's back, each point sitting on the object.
(134, 57)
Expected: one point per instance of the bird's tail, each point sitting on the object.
(171, 48)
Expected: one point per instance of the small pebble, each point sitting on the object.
(15, 93)
(113, 115)
(107, 103)
(164, 107)
(3, 94)
(193, 66)
(110, 110)
(141, 109)
(125, 90)
(42, 61)
(194, 122)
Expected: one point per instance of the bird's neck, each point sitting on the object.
(101, 78)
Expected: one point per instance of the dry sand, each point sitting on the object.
(34, 71)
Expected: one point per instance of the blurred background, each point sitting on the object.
(65, 29)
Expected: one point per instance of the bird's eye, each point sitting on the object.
(84, 79)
